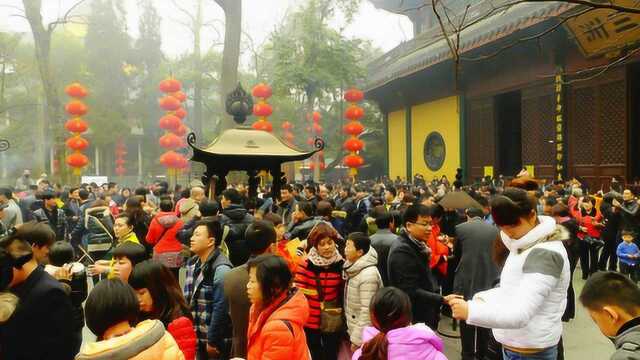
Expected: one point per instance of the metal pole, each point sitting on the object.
(140, 159)
(97, 161)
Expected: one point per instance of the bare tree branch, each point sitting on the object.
(184, 11)
(65, 18)
(596, 5)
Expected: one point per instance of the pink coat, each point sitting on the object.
(412, 342)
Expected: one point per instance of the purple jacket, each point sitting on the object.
(412, 342)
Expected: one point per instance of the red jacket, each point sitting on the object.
(162, 232)
(330, 281)
(184, 334)
(587, 221)
(277, 333)
(439, 251)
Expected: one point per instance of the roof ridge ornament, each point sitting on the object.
(239, 104)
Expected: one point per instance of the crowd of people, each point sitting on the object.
(323, 271)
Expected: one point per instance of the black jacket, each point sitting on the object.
(628, 216)
(42, 325)
(476, 270)
(237, 219)
(408, 270)
(382, 241)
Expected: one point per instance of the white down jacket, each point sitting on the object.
(362, 280)
(526, 310)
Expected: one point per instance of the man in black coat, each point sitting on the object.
(42, 325)
(382, 241)
(408, 266)
(237, 219)
(476, 272)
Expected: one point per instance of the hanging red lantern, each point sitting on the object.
(170, 85)
(262, 90)
(181, 130)
(120, 162)
(181, 96)
(316, 117)
(76, 125)
(170, 159)
(262, 125)
(76, 90)
(310, 141)
(288, 137)
(181, 162)
(76, 108)
(354, 112)
(170, 122)
(354, 144)
(170, 141)
(262, 109)
(77, 160)
(354, 95)
(77, 143)
(317, 129)
(354, 128)
(353, 161)
(120, 170)
(181, 113)
(286, 125)
(169, 103)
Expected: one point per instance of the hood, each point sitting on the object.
(167, 219)
(417, 336)
(631, 335)
(98, 210)
(546, 227)
(235, 212)
(141, 338)
(295, 310)
(368, 259)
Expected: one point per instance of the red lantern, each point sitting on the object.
(77, 143)
(262, 125)
(353, 161)
(170, 85)
(76, 125)
(76, 108)
(120, 162)
(77, 160)
(181, 130)
(181, 162)
(169, 103)
(76, 90)
(288, 136)
(354, 144)
(170, 122)
(181, 113)
(262, 109)
(310, 141)
(120, 170)
(354, 128)
(182, 97)
(316, 116)
(317, 129)
(170, 141)
(262, 90)
(353, 95)
(287, 125)
(354, 112)
(170, 159)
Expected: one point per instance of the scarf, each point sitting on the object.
(320, 261)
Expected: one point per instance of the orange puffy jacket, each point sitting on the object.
(277, 333)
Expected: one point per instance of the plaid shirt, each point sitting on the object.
(203, 290)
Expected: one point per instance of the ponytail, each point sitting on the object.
(376, 348)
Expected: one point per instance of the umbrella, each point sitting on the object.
(459, 200)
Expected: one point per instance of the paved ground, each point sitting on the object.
(582, 339)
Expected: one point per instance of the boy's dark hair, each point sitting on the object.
(311, 189)
(513, 204)
(214, 228)
(110, 302)
(360, 241)
(560, 210)
(259, 236)
(324, 209)
(232, 195)
(140, 191)
(48, 195)
(306, 207)
(60, 253)
(383, 220)
(391, 190)
(136, 253)
(413, 212)
(298, 187)
(273, 274)
(437, 211)
(83, 194)
(209, 208)
(474, 212)
(611, 288)
(166, 205)
(36, 234)
(287, 187)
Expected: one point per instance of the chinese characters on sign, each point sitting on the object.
(602, 31)
(559, 121)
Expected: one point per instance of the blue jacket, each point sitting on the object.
(625, 250)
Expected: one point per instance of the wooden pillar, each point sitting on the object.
(253, 183)
(277, 177)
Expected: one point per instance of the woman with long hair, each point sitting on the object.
(392, 336)
(278, 312)
(139, 219)
(161, 298)
(525, 311)
(319, 277)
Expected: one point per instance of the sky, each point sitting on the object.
(260, 17)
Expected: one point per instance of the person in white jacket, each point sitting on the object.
(525, 311)
(362, 280)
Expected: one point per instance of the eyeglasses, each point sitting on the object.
(422, 224)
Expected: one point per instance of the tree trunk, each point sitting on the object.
(197, 64)
(231, 54)
(53, 107)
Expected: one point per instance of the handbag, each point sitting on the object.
(594, 241)
(331, 319)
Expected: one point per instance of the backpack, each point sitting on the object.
(99, 237)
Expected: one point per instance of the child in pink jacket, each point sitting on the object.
(392, 331)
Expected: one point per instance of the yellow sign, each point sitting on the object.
(531, 170)
(601, 31)
(488, 171)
